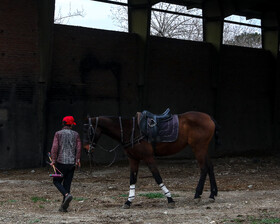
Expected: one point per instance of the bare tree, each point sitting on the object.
(174, 25)
(119, 15)
(61, 18)
(252, 40)
(242, 35)
(165, 24)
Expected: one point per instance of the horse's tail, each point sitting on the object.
(217, 131)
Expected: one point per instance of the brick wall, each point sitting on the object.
(19, 69)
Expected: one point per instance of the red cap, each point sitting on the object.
(69, 120)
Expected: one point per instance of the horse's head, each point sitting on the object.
(91, 134)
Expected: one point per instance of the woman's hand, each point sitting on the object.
(78, 163)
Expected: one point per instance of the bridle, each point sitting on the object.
(92, 135)
(93, 144)
(92, 132)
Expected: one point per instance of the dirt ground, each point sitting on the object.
(249, 192)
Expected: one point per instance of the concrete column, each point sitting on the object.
(139, 19)
(213, 33)
(270, 42)
(270, 33)
(213, 23)
(45, 27)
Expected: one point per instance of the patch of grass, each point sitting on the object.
(36, 199)
(266, 221)
(79, 199)
(152, 195)
(34, 221)
(239, 220)
(8, 201)
(41, 206)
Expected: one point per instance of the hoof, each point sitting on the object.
(171, 205)
(125, 206)
(197, 200)
(212, 200)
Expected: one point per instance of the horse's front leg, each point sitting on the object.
(134, 165)
(153, 168)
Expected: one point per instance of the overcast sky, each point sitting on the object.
(97, 14)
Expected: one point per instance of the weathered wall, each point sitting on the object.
(19, 69)
(245, 99)
(181, 75)
(95, 72)
(240, 96)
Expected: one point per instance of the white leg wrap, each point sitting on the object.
(131, 193)
(165, 190)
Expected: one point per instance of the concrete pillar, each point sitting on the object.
(213, 33)
(270, 33)
(270, 42)
(213, 23)
(45, 27)
(139, 19)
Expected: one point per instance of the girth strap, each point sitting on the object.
(120, 119)
(132, 134)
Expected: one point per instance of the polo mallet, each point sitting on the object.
(54, 169)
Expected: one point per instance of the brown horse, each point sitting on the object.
(196, 129)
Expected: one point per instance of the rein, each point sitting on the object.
(92, 144)
(133, 139)
(92, 132)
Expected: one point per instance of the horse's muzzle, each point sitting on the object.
(86, 147)
(89, 148)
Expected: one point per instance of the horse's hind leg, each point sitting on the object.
(206, 167)
(213, 184)
(134, 165)
(201, 157)
(200, 185)
(153, 168)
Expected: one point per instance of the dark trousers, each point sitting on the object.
(63, 184)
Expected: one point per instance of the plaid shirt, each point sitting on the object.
(66, 148)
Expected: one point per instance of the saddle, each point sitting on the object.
(158, 127)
